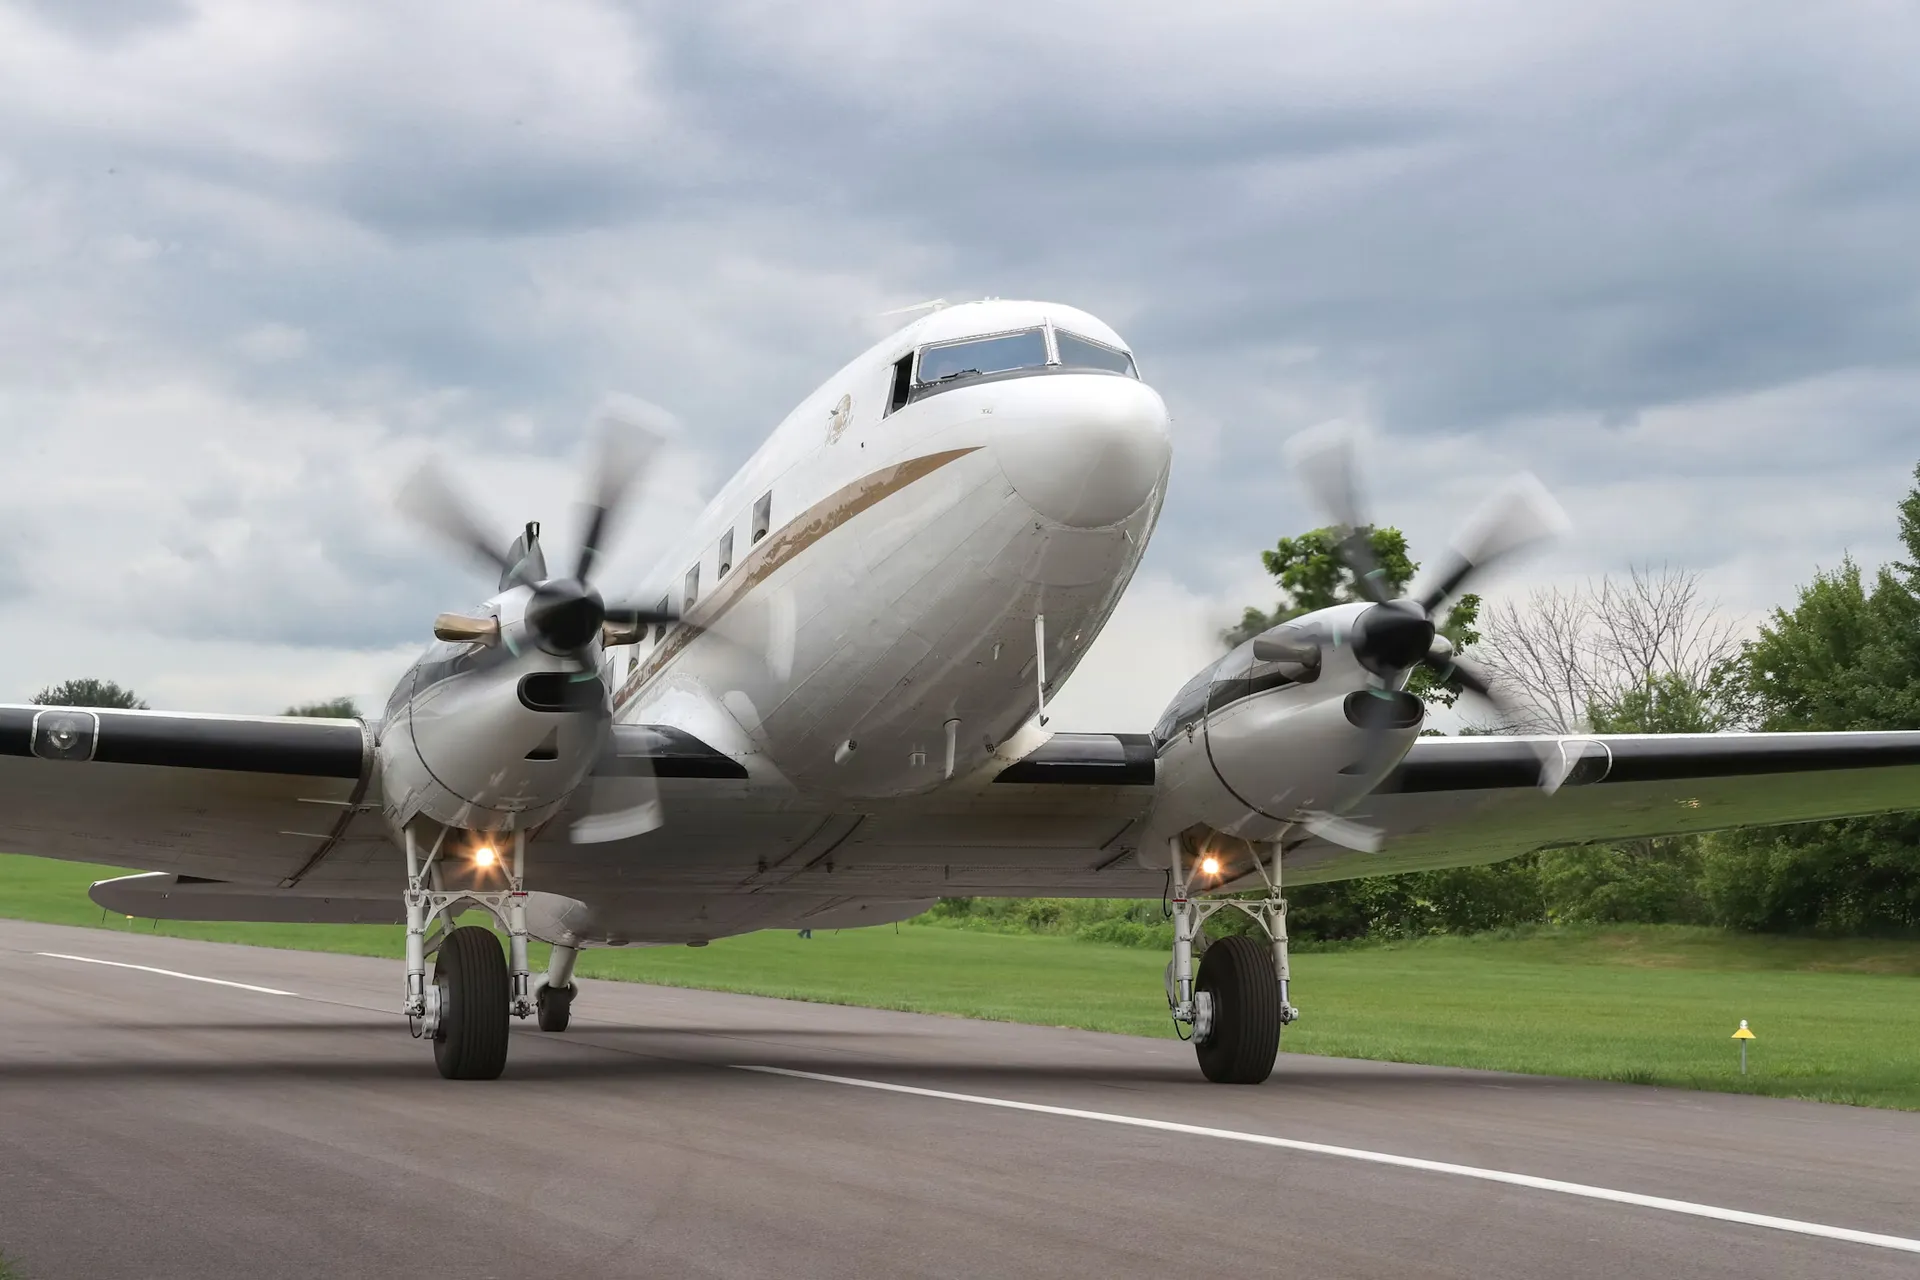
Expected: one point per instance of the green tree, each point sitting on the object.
(89, 693)
(1655, 881)
(1667, 703)
(343, 708)
(1846, 656)
(1308, 569)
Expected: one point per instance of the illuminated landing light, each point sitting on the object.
(483, 856)
(1210, 865)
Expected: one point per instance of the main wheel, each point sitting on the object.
(556, 1007)
(1244, 1038)
(471, 972)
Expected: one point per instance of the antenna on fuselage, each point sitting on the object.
(935, 304)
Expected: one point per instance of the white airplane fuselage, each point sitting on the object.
(891, 604)
(860, 601)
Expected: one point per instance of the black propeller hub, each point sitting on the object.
(566, 613)
(1392, 636)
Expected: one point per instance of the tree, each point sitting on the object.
(1648, 650)
(89, 693)
(1654, 880)
(343, 708)
(1309, 570)
(1643, 655)
(1846, 656)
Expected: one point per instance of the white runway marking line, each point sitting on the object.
(168, 973)
(1900, 1243)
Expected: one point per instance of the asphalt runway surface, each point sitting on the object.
(156, 1126)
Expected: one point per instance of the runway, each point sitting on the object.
(154, 1125)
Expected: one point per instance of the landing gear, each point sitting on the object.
(470, 1041)
(464, 1009)
(1239, 1005)
(556, 1007)
(556, 992)
(1237, 978)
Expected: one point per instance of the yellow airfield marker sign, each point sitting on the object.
(1743, 1035)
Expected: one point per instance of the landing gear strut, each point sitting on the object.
(463, 1010)
(1237, 1008)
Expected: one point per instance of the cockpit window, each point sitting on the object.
(957, 361)
(1084, 353)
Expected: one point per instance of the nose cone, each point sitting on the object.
(1083, 450)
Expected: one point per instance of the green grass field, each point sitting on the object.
(1837, 1021)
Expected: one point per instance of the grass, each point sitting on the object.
(1838, 1021)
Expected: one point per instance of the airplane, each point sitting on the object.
(829, 709)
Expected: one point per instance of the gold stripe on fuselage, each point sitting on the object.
(775, 550)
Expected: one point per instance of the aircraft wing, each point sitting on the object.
(1461, 801)
(255, 798)
(284, 808)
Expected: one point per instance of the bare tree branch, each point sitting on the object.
(1566, 650)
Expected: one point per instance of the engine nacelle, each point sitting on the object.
(1253, 743)
(488, 739)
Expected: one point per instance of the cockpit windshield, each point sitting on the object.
(1019, 354)
(1084, 353)
(1002, 353)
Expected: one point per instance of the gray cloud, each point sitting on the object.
(256, 258)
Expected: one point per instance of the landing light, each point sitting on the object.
(1210, 865)
(483, 856)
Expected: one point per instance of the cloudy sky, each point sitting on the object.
(256, 258)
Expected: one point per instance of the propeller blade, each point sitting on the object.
(1324, 460)
(1379, 750)
(430, 501)
(1344, 832)
(459, 629)
(1470, 677)
(1473, 678)
(626, 448)
(623, 798)
(1520, 514)
(618, 809)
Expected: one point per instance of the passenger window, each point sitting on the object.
(762, 516)
(1084, 353)
(693, 588)
(726, 555)
(902, 383)
(660, 628)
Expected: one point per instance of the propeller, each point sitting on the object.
(1398, 634)
(566, 613)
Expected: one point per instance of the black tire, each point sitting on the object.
(471, 972)
(555, 1007)
(1244, 1039)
